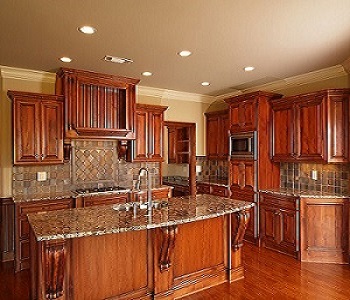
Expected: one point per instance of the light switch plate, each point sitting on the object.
(314, 174)
(41, 176)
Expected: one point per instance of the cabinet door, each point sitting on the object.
(243, 115)
(26, 120)
(223, 136)
(283, 131)
(52, 131)
(310, 127)
(212, 137)
(338, 128)
(141, 130)
(287, 235)
(203, 188)
(155, 140)
(242, 175)
(269, 225)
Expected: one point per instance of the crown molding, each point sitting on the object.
(25, 74)
(294, 81)
(174, 95)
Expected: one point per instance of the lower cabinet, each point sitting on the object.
(94, 200)
(324, 230)
(22, 253)
(279, 223)
(212, 189)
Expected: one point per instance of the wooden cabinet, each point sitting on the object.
(165, 192)
(37, 128)
(279, 223)
(97, 105)
(243, 175)
(22, 250)
(324, 230)
(179, 143)
(217, 134)
(243, 113)
(203, 188)
(149, 132)
(311, 127)
(7, 215)
(95, 200)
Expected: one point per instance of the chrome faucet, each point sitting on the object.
(142, 172)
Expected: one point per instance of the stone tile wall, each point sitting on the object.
(333, 178)
(217, 169)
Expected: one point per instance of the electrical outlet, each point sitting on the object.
(41, 176)
(314, 174)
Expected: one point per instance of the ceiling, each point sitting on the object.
(280, 38)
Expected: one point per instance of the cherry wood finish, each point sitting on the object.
(244, 110)
(38, 128)
(252, 112)
(157, 194)
(252, 230)
(324, 230)
(311, 127)
(265, 278)
(93, 200)
(22, 251)
(279, 223)
(212, 189)
(203, 188)
(218, 127)
(97, 105)
(149, 132)
(7, 221)
(162, 263)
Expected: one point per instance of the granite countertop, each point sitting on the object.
(104, 219)
(303, 194)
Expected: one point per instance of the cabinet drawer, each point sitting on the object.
(104, 200)
(241, 195)
(203, 188)
(218, 190)
(47, 205)
(279, 201)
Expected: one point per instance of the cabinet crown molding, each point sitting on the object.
(25, 74)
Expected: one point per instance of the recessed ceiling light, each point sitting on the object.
(146, 73)
(185, 53)
(65, 59)
(118, 60)
(249, 69)
(87, 29)
(205, 83)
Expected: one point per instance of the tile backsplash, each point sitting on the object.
(209, 169)
(92, 163)
(333, 178)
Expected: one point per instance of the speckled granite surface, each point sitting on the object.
(304, 194)
(99, 220)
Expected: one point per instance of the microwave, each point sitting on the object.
(243, 145)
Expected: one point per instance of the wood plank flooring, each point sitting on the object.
(269, 275)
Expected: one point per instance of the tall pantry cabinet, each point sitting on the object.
(251, 113)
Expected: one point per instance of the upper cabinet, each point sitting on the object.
(218, 126)
(148, 145)
(97, 105)
(244, 113)
(38, 128)
(311, 127)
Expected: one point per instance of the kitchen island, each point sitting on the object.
(119, 252)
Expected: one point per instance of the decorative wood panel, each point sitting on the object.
(325, 230)
(242, 175)
(6, 229)
(97, 105)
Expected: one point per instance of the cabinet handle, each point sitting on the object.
(36, 155)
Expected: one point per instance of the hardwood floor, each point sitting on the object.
(269, 275)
